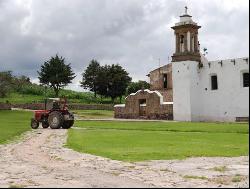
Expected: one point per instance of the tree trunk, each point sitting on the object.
(95, 91)
(56, 89)
(57, 93)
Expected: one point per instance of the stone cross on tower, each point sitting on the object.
(186, 10)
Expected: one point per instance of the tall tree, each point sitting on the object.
(56, 74)
(118, 81)
(6, 81)
(90, 76)
(136, 86)
(102, 81)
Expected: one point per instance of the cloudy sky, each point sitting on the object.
(133, 33)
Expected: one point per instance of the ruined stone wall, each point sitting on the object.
(157, 82)
(157, 78)
(153, 109)
(167, 95)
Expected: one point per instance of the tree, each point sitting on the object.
(136, 86)
(20, 82)
(5, 83)
(56, 74)
(109, 81)
(118, 81)
(90, 76)
(102, 81)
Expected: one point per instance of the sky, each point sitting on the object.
(134, 33)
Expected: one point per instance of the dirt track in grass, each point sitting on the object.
(40, 160)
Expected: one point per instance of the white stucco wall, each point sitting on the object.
(182, 74)
(195, 101)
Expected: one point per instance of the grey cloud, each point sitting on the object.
(134, 33)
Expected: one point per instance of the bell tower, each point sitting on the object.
(187, 43)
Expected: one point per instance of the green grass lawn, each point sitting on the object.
(139, 141)
(94, 114)
(76, 97)
(17, 98)
(13, 123)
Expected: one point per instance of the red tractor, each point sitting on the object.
(55, 115)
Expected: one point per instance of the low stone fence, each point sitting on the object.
(40, 106)
(165, 112)
(32, 106)
(4, 106)
(91, 107)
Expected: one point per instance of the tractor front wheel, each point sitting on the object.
(34, 124)
(68, 124)
(55, 120)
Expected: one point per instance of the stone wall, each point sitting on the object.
(157, 82)
(4, 106)
(153, 108)
(167, 95)
(30, 106)
(157, 78)
(91, 107)
(40, 106)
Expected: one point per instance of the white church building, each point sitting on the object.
(192, 88)
(206, 90)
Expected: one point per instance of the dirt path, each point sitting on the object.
(40, 160)
(36, 163)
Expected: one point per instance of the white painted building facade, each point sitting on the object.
(206, 90)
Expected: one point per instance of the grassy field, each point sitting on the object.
(139, 141)
(94, 114)
(13, 123)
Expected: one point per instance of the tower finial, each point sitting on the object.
(186, 10)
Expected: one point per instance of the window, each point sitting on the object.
(182, 43)
(214, 82)
(143, 102)
(165, 81)
(182, 38)
(245, 79)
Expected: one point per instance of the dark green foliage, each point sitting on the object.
(21, 82)
(89, 77)
(34, 89)
(118, 81)
(6, 81)
(136, 86)
(56, 74)
(108, 81)
(9, 83)
(102, 81)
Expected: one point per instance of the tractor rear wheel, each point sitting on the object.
(34, 124)
(55, 120)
